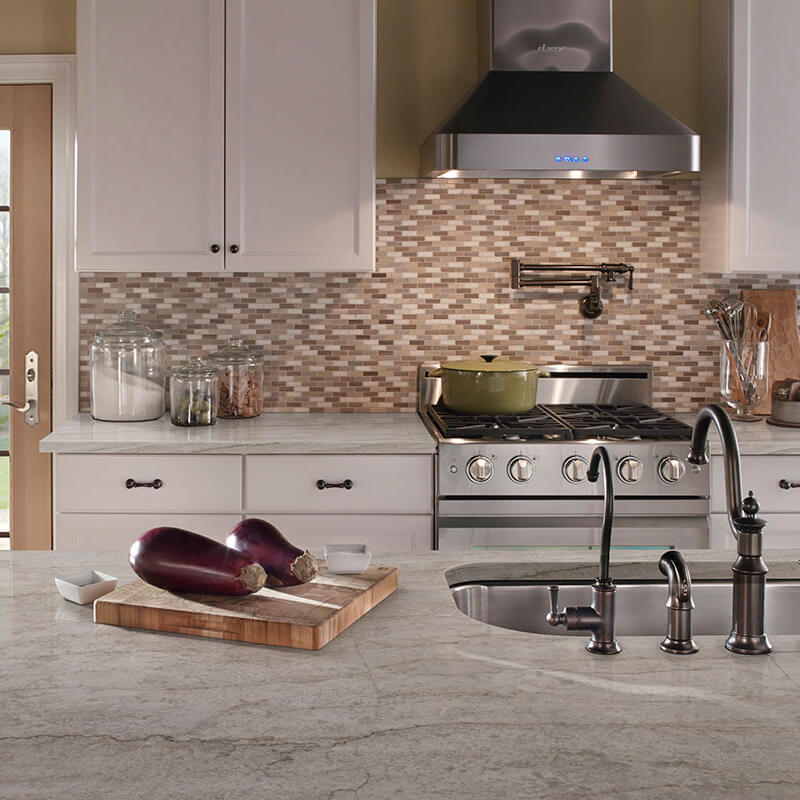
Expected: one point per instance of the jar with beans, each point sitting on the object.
(241, 373)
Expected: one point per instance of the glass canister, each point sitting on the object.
(241, 373)
(193, 394)
(128, 372)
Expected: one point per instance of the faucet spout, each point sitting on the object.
(730, 452)
(600, 455)
(749, 570)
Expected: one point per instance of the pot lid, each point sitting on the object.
(195, 367)
(489, 364)
(127, 329)
(237, 352)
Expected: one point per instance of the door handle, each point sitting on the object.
(31, 406)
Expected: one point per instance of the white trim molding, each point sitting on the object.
(59, 72)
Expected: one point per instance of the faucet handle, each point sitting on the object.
(555, 617)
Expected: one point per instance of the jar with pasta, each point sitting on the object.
(241, 373)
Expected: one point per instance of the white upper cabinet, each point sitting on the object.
(300, 135)
(235, 135)
(150, 134)
(750, 217)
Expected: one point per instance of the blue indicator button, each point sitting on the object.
(558, 159)
(585, 159)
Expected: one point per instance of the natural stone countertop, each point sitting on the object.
(755, 438)
(322, 433)
(270, 434)
(415, 700)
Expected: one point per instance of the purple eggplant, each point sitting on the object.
(262, 542)
(182, 561)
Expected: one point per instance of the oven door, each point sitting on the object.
(467, 524)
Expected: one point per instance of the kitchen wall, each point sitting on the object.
(37, 26)
(430, 52)
(441, 291)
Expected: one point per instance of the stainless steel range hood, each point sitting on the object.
(551, 106)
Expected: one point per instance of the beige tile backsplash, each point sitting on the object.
(338, 342)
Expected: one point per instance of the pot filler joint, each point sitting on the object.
(524, 276)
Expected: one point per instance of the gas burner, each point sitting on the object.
(537, 424)
(559, 422)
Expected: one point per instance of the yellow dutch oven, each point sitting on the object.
(489, 385)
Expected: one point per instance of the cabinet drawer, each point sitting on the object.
(380, 484)
(118, 531)
(391, 534)
(760, 474)
(193, 484)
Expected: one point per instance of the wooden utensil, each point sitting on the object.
(784, 341)
(306, 616)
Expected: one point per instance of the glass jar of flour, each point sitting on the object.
(128, 372)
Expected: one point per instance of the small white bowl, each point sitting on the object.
(85, 587)
(347, 559)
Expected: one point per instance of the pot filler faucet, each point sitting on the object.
(599, 617)
(749, 570)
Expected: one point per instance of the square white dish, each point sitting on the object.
(85, 587)
(347, 559)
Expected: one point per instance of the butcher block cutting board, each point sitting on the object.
(306, 616)
(784, 341)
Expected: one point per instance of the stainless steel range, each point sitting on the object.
(520, 482)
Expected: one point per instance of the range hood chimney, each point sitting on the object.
(552, 107)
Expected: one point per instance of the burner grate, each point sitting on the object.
(537, 424)
(578, 422)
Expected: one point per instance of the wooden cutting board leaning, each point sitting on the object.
(306, 616)
(784, 341)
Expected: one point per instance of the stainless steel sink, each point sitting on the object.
(640, 606)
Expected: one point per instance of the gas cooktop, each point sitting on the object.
(575, 422)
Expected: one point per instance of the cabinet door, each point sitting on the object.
(150, 134)
(765, 171)
(300, 135)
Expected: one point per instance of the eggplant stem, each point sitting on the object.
(252, 577)
(304, 567)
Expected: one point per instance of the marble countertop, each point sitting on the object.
(401, 433)
(415, 701)
(755, 438)
(323, 433)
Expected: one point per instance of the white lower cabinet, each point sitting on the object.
(780, 508)
(105, 501)
(118, 531)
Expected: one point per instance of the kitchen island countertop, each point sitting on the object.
(284, 433)
(415, 700)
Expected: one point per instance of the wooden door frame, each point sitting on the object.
(59, 72)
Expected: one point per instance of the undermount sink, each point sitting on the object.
(523, 606)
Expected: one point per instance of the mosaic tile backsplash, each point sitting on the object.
(441, 291)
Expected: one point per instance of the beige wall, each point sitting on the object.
(428, 59)
(37, 26)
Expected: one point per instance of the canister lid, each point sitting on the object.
(195, 367)
(127, 329)
(237, 352)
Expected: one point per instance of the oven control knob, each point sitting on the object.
(574, 469)
(671, 469)
(630, 469)
(521, 469)
(479, 469)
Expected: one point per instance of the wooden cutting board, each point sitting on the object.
(306, 616)
(784, 341)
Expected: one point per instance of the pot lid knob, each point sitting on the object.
(488, 359)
